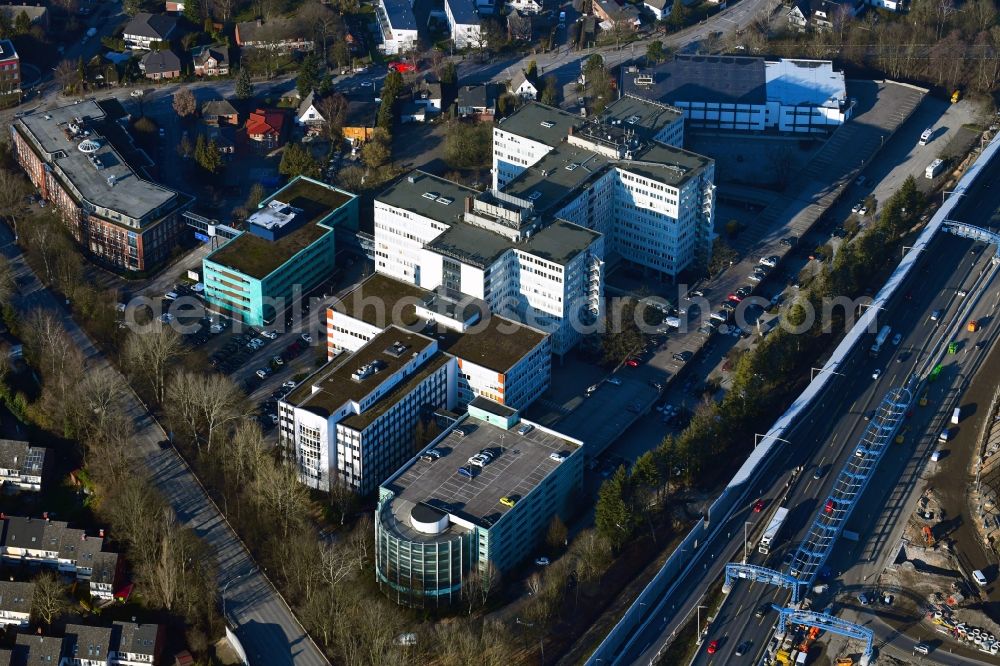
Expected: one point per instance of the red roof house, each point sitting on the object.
(265, 127)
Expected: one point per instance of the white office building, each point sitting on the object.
(352, 422)
(747, 93)
(496, 358)
(622, 175)
(494, 247)
(397, 26)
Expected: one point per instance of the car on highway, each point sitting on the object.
(770, 262)
(829, 506)
(762, 610)
(962, 293)
(615, 381)
(935, 315)
(542, 561)
(936, 456)
(632, 363)
(818, 474)
(922, 648)
(743, 648)
(861, 180)
(876, 373)
(758, 506)
(896, 339)
(713, 647)
(135, 93)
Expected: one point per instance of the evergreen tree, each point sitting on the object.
(22, 24)
(614, 516)
(244, 88)
(449, 76)
(192, 12)
(298, 161)
(677, 14)
(308, 77)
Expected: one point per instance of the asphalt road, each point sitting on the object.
(268, 630)
(950, 267)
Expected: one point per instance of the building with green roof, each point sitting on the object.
(288, 248)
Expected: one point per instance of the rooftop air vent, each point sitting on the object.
(396, 349)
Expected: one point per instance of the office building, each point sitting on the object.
(496, 358)
(620, 174)
(287, 249)
(493, 247)
(83, 160)
(352, 422)
(747, 94)
(442, 517)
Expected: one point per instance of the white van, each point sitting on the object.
(926, 136)
(956, 415)
(945, 435)
(935, 456)
(979, 577)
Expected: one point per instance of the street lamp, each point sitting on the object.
(226, 587)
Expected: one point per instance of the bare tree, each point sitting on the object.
(245, 453)
(7, 283)
(67, 76)
(204, 403)
(343, 497)
(594, 555)
(479, 584)
(49, 600)
(223, 9)
(148, 354)
(336, 564)
(279, 492)
(13, 190)
(184, 103)
(333, 108)
(99, 395)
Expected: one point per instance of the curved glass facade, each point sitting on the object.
(414, 569)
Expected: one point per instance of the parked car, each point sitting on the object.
(430, 455)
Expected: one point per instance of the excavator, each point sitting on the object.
(928, 536)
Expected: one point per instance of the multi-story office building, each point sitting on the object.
(288, 248)
(747, 94)
(620, 174)
(496, 357)
(22, 465)
(442, 517)
(83, 160)
(494, 247)
(353, 421)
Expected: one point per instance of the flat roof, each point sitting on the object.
(496, 343)
(560, 174)
(805, 82)
(521, 464)
(258, 257)
(667, 164)
(399, 391)
(647, 118)
(115, 185)
(400, 14)
(413, 193)
(560, 242)
(703, 78)
(464, 12)
(528, 122)
(471, 245)
(331, 387)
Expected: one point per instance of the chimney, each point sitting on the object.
(468, 204)
(45, 515)
(101, 532)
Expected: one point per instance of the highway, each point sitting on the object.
(269, 632)
(950, 268)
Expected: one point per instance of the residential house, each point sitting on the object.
(106, 574)
(266, 127)
(37, 14)
(660, 9)
(32, 650)
(136, 644)
(15, 603)
(526, 6)
(158, 65)
(21, 465)
(610, 12)
(478, 100)
(523, 87)
(396, 25)
(428, 94)
(10, 68)
(359, 121)
(308, 114)
(224, 138)
(464, 22)
(411, 112)
(280, 34)
(524, 26)
(146, 28)
(211, 60)
(219, 112)
(87, 646)
(799, 14)
(825, 14)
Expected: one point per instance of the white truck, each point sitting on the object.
(880, 339)
(773, 527)
(934, 169)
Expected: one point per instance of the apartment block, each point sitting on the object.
(496, 358)
(288, 248)
(15, 603)
(493, 247)
(621, 174)
(121, 644)
(442, 517)
(82, 159)
(352, 422)
(464, 23)
(54, 544)
(22, 465)
(397, 26)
